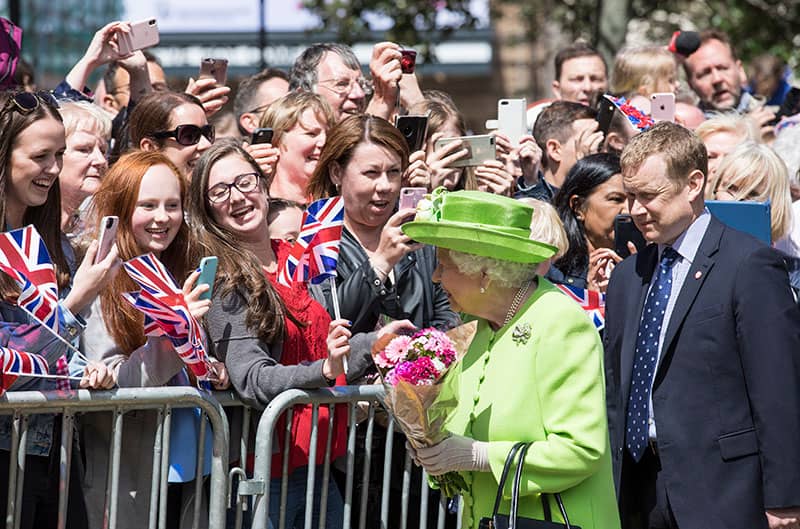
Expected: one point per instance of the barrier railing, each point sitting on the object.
(21, 405)
(227, 473)
(259, 486)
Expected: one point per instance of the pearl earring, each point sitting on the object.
(483, 290)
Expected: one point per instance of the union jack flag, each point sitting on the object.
(594, 303)
(166, 312)
(17, 363)
(316, 251)
(24, 257)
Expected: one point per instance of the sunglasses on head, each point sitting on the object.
(27, 102)
(187, 134)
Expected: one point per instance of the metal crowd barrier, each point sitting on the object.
(21, 405)
(226, 509)
(258, 488)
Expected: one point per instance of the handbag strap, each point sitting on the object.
(504, 475)
(512, 515)
(515, 493)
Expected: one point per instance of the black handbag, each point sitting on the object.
(511, 520)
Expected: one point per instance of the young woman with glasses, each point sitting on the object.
(32, 146)
(271, 337)
(173, 123)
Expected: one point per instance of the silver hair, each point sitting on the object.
(506, 274)
(785, 145)
(303, 75)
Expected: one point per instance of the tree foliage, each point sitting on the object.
(418, 23)
(755, 26)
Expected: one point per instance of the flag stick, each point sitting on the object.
(55, 334)
(336, 312)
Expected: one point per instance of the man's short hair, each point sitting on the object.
(679, 147)
(555, 121)
(708, 35)
(303, 75)
(578, 49)
(248, 89)
(110, 75)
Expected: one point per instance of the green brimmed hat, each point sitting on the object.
(478, 223)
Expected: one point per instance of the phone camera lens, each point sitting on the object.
(109, 223)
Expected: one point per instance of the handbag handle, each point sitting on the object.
(515, 493)
(501, 485)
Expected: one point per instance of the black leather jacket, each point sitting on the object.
(363, 297)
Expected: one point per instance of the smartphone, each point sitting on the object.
(512, 120)
(208, 270)
(214, 68)
(143, 34)
(410, 196)
(605, 113)
(261, 136)
(662, 107)
(625, 230)
(108, 235)
(414, 129)
(481, 148)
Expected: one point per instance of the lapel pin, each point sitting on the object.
(698, 274)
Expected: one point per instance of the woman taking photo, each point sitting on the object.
(380, 272)
(533, 373)
(173, 123)
(146, 191)
(271, 337)
(591, 197)
(32, 146)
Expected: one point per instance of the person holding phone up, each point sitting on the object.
(588, 202)
(146, 191)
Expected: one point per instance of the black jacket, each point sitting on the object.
(363, 297)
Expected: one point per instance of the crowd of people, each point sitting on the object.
(683, 411)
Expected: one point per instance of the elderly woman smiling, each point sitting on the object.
(533, 373)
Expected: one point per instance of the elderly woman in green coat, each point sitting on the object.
(533, 373)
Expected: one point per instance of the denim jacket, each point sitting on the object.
(18, 331)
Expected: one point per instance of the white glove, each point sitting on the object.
(455, 453)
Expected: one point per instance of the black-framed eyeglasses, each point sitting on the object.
(187, 135)
(27, 102)
(245, 183)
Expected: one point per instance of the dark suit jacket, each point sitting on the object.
(726, 394)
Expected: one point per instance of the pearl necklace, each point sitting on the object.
(515, 303)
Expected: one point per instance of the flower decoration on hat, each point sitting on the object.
(641, 121)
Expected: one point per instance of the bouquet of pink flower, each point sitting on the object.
(412, 369)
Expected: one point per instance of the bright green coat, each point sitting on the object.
(549, 390)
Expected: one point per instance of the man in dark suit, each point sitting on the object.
(702, 357)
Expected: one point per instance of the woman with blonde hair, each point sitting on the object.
(644, 70)
(754, 172)
(722, 133)
(88, 130)
(300, 123)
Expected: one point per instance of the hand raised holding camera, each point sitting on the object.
(212, 97)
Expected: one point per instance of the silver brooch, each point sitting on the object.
(521, 333)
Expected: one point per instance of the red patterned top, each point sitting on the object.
(305, 344)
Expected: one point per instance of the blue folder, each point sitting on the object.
(749, 217)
